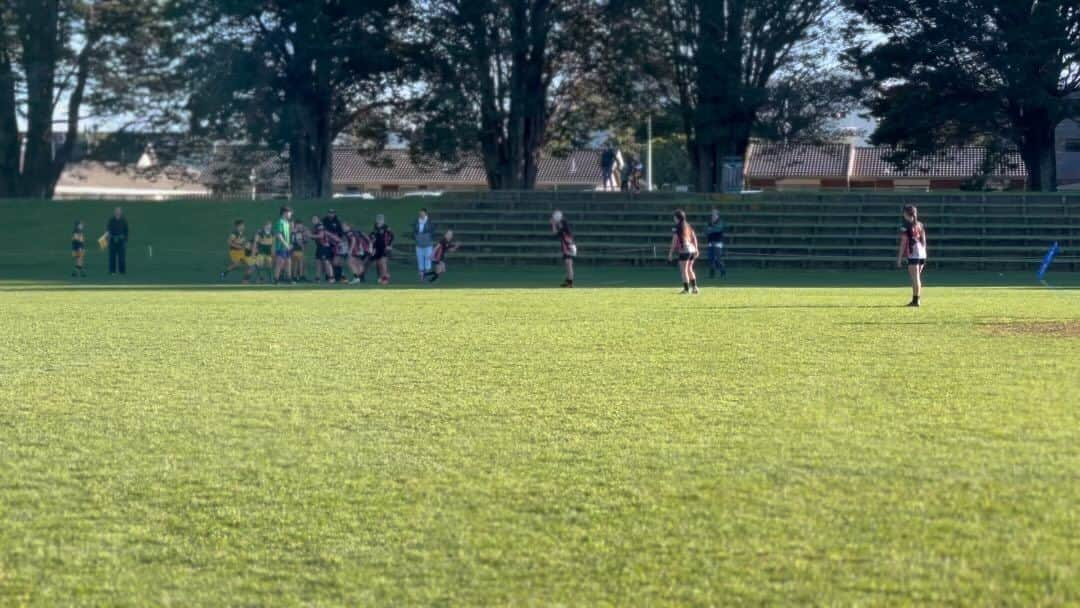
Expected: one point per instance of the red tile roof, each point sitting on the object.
(353, 167)
(399, 167)
(766, 160)
(959, 163)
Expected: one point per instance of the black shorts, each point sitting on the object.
(916, 262)
(686, 257)
(324, 254)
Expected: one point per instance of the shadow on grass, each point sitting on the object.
(515, 277)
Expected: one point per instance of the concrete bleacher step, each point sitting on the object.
(979, 231)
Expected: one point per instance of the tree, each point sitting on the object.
(493, 73)
(960, 71)
(288, 75)
(714, 62)
(65, 59)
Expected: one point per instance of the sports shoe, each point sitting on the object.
(355, 281)
(914, 304)
(684, 292)
(695, 291)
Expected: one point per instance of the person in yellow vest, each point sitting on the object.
(78, 249)
(264, 253)
(237, 243)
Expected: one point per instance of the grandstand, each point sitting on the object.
(976, 231)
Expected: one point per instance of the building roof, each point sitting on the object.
(91, 178)
(958, 163)
(353, 166)
(844, 161)
(769, 160)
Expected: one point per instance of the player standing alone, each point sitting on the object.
(685, 243)
(78, 250)
(913, 246)
(561, 228)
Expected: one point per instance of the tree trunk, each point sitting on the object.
(40, 57)
(75, 101)
(311, 145)
(1038, 149)
(10, 143)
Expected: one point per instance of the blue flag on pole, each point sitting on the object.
(1049, 259)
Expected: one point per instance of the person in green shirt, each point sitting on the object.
(283, 245)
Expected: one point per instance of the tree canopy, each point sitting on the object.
(288, 75)
(1000, 72)
(60, 62)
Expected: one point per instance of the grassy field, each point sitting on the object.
(784, 438)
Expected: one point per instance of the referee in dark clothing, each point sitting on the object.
(117, 234)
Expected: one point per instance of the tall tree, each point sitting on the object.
(715, 63)
(957, 71)
(489, 71)
(289, 75)
(64, 59)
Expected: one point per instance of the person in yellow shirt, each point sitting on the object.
(264, 253)
(78, 249)
(237, 250)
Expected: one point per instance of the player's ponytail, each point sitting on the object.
(681, 225)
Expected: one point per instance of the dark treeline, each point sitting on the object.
(510, 79)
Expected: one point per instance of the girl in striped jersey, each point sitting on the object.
(913, 247)
(359, 253)
(561, 229)
(684, 242)
(438, 256)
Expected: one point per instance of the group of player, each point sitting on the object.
(276, 252)
(684, 246)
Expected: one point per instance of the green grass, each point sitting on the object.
(789, 438)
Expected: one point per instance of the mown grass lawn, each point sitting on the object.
(524, 446)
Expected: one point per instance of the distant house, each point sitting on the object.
(390, 171)
(949, 169)
(144, 180)
(771, 166)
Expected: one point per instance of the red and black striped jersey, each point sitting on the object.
(382, 237)
(442, 248)
(359, 243)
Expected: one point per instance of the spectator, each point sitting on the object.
(424, 234)
(116, 233)
(607, 167)
(627, 173)
(714, 235)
